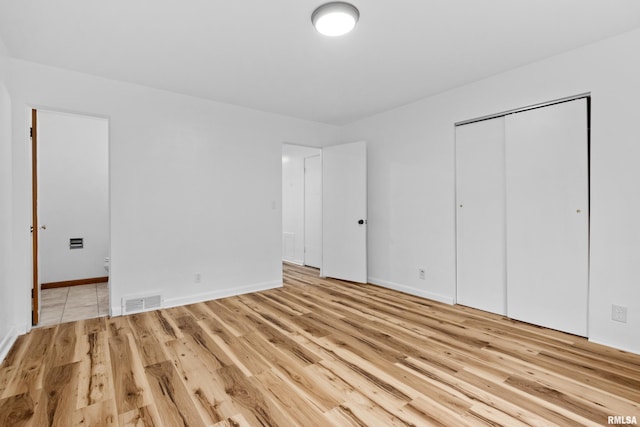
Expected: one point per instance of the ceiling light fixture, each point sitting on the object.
(335, 18)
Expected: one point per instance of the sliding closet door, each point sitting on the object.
(480, 219)
(547, 216)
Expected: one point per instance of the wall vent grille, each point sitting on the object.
(138, 304)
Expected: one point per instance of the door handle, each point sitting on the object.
(362, 221)
(43, 227)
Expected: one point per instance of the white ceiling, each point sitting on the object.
(266, 55)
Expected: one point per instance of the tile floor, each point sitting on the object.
(60, 305)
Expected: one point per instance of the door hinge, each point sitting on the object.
(31, 132)
(31, 292)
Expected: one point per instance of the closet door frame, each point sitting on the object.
(587, 97)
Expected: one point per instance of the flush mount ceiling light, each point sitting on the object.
(335, 18)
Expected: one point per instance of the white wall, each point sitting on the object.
(293, 237)
(8, 314)
(195, 185)
(411, 179)
(73, 195)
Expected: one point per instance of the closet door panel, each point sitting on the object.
(480, 219)
(547, 216)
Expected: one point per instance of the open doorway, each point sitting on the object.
(302, 205)
(70, 217)
(324, 208)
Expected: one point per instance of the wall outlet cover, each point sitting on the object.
(619, 313)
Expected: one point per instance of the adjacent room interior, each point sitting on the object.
(71, 196)
(429, 217)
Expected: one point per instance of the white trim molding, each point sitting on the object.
(207, 296)
(7, 342)
(411, 290)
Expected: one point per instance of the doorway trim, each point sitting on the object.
(35, 288)
(317, 151)
(31, 137)
(521, 109)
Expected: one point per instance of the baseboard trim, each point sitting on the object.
(617, 346)
(411, 290)
(223, 293)
(207, 296)
(78, 282)
(7, 342)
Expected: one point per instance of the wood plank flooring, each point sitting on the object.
(317, 352)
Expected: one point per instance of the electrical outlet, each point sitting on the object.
(619, 313)
(197, 278)
(421, 273)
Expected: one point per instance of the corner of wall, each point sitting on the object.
(7, 342)
(8, 330)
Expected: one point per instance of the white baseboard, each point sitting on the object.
(7, 342)
(410, 290)
(222, 293)
(293, 261)
(626, 348)
(206, 296)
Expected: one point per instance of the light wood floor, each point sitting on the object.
(313, 353)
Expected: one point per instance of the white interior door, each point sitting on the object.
(344, 212)
(547, 216)
(313, 211)
(480, 220)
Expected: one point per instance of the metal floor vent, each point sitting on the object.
(138, 304)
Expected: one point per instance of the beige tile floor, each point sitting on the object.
(60, 305)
